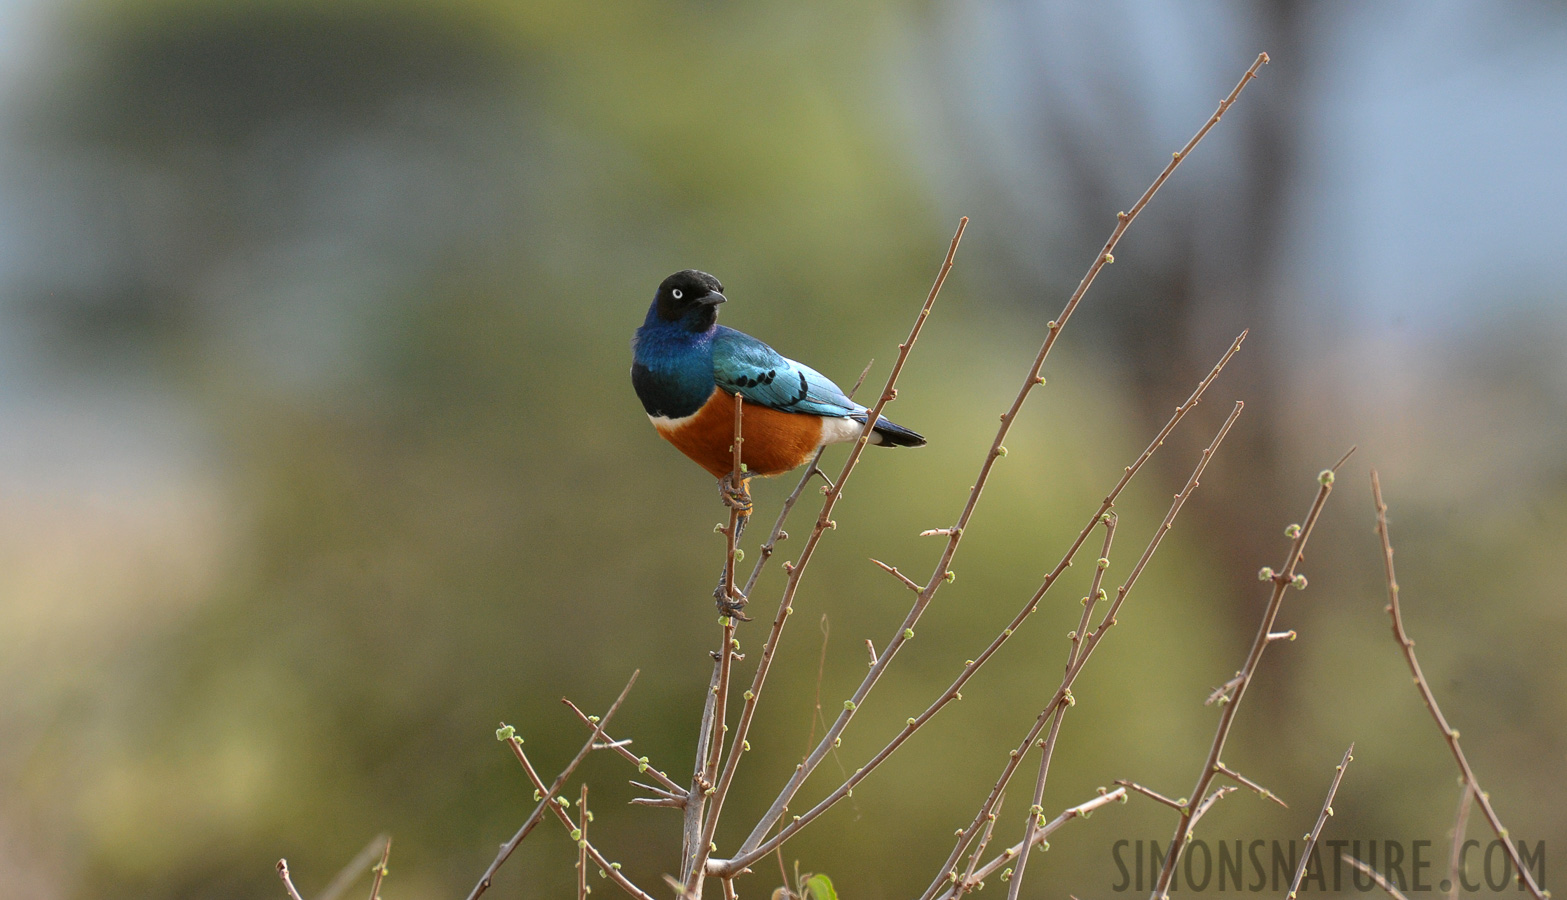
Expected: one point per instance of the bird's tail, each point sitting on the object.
(890, 434)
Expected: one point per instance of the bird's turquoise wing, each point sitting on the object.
(744, 365)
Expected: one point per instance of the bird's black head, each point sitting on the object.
(690, 297)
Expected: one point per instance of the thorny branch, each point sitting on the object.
(954, 533)
(380, 870)
(611, 870)
(288, 883)
(1383, 883)
(544, 801)
(948, 871)
(619, 747)
(1081, 810)
(795, 572)
(1281, 581)
(1322, 818)
(1449, 733)
(1047, 749)
(700, 826)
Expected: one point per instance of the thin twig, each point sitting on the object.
(696, 795)
(1449, 733)
(609, 869)
(1092, 641)
(908, 582)
(582, 844)
(1208, 801)
(1262, 792)
(544, 800)
(380, 870)
(979, 849)
(1047, 749)
(620, 747)
(1082, 810)
(702, 785)
(1153, 794)
(823, 523)
(1281, 581)
(1322, 818)
(1383, 883)
(997, 450)
(954, 691)
(288, 883)
(350, 873)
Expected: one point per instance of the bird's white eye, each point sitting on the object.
(678, 293)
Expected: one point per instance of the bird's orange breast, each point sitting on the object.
(775, 442)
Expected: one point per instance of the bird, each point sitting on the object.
(687, 370)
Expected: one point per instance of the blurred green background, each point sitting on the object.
(318, 456)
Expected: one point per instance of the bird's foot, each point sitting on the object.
(736, 494)
(730, 604)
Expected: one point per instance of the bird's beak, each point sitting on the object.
(711, 298)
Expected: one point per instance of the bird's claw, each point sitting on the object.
(736, 494)
(730, 604)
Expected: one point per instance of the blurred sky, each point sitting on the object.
(1431, 179)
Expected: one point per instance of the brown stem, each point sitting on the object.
(955, 532)
(1322, 818)
(1262, 792)
(1450, 734)
(1082, 809)
(545, 794)
(350, 873)
(1152, 794)
(1047, 749)
(1015, 758)
(288, 883)
(823, 523)
(953, 692)
(1383, 883)
(620, 748)
(1281, 582)
(380, 870)
(582, 845)
(610, 870)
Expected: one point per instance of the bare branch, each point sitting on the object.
(1177, 805)
(1262, 792)
(1281, 581)
(1091, 642)
(582, 844)
(1047, 748)
(380, 870)
(544, 800)
(1322, 818)
(1449, 733)
(1081, 810)
(1383, 883)
(356, 867)
(619, 747)
(807, 553)
(288, 883)
(578, 835)
(997, 450)
(891, 570)
(1208, 802)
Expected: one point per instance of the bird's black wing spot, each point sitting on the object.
(804, 391)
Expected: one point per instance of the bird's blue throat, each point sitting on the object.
(672, 364)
